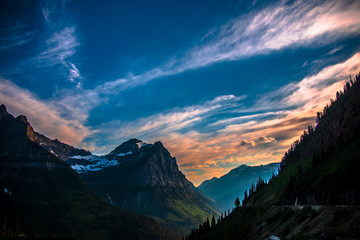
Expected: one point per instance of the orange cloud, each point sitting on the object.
(202, 155)
(43, 116)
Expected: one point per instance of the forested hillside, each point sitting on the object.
(316, 193)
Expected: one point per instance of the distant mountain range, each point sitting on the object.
(316, 194)
(145, 178)
(225, 189)
(42, 197)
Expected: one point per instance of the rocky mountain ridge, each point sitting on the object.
(42, 197)
(145, 178)
(23, 129)
(158, 167)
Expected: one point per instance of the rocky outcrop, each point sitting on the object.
(62, 150)
(147, 180)
(15, 130)
(156, 166)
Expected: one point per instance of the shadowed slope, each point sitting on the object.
(41, 196)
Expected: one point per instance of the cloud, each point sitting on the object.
(15, 36)
(335, 50)
(260, 138)
(248, 137)
(160, 125)
(260, 134)
(52, 48)
(278, 26)
(54, 13)
(74, 72)
(62, 43)
(46, 15)
(45, 116)
(257, 32)
(60, 46)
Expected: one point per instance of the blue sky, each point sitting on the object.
(220, 83)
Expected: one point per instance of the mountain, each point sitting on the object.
(145, 178)
(225, 189)
(316, 194)
(61, 150)
(42, 197)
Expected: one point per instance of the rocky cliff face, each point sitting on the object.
(17, 138)
(61, 150)
(145, 164)
(19, 129)
(145, 178)
(156, 167)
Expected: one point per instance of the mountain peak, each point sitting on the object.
(20, 127)
(22, 119)
(130, 146)
(3, 111)
(133, 140)
(158, 143)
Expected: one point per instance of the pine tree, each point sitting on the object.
(245, 197)
(237, 202)
(213, 223)
(207, 224)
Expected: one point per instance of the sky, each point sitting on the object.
(219, 83)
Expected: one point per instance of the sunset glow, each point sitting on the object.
(220, 84)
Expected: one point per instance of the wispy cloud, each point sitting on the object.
(60, 46)
(278, 26)
(54, 13)
(74, 72)
(15, 36)
(53, 47)
(259, 134)
(160, 125)
(261, 137)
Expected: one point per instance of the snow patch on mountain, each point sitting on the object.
(124, 154)
(89, 157)
(91, 163)
(7, 191)
(142, 144)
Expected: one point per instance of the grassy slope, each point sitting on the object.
(186, 212)
(178, 208)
